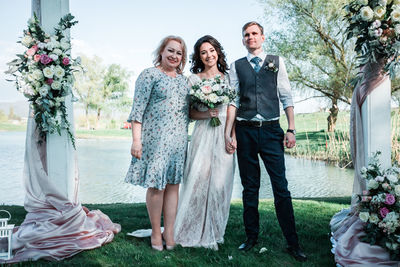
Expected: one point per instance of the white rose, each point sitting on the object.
(213, 98)
(44, 90)
(382, 2)
(392, 178)
(373, 218)
(26, 40)
(215, 87)
(379, 178)
(56, 85)
(48, 72)
(364, 216)
(57, 51)
(37, 75)
(395, 15)
(362, 2)
(270, 65)
(54, 57)
(372, 184)
(59, 72)
(225, 99)
(379, 11)
(397, 190)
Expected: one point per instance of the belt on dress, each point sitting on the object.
(256, 123)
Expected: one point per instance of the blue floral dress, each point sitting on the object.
(161, 104)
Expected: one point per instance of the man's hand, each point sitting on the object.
(289, 140)
(230, 144)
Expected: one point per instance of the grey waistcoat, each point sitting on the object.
(258, 91)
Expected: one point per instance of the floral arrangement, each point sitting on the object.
(270, 66)
(44, 74)
(376, 25)
(380, 207)
(211, 93)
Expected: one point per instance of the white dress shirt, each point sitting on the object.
(283, 85)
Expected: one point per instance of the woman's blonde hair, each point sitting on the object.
(161, 47)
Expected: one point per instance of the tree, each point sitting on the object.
(311, 38)
(88, 83)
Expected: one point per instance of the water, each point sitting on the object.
(103, 164)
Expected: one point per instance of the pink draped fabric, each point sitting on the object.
(349, 250)
(54, 227)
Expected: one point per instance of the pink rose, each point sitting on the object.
(45, 59)
(65, 61)
(49, 81)
(384, 211)
(36, 58)
(35, 47)
(390, 199)
(206, 89)
(31, 51)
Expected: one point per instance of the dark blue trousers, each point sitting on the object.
(266, 141)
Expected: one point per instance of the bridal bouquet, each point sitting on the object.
(44, 74)
(380, 207)
(211, 93)
(376, 25)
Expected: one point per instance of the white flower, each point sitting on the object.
(363, 170)
(397, 190)
(64, 45)
(395, 15)
(215, 87)
(59, 72)
(364, 216)
(372, 184)
(57, 51)
(379, 178)
(392, 178)
(48, 72)
(373, 218)
(54, 57)
(382, 2)
(379, 11)
(362, 2)
(376, 24)
(44, 90)
(270, 65)
(37, 75)
(56, 85)
(225, 99)
(27, 40)
(396, 2)
(366, 13)
(41, 45)
(213, 98)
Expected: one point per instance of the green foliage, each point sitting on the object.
(312, 216)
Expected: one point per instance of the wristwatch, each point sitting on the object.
(293, 131)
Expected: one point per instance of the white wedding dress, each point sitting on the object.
(206, 190)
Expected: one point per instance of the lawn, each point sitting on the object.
(312, 217)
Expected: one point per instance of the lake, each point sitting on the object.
(103, 164)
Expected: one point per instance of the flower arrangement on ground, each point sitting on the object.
(380, 207)
(211, 93)
(44, 74)
(376, 25)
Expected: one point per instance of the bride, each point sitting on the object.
(206, 190)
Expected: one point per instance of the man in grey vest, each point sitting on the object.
(262, 82)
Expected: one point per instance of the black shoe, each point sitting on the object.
(248, 244)
(296, 253)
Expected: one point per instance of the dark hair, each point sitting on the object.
(251, 23)
(157, 54)
(198, 65)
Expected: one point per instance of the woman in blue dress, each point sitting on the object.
(159, 120)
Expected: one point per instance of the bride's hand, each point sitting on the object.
(230, 144)
(136, 149)
(213, 112)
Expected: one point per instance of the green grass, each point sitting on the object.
(312, 218)
(104, 133)
(6, 126)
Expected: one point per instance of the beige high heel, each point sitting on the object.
(165, 243)
(158, 248)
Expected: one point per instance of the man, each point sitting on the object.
(262, 82)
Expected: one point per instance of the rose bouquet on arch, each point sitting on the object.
(376, 25)
(211, 93)
(380, 207)
(44, 74)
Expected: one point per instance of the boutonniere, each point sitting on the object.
(270, 66)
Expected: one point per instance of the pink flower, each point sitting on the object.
(365, 199)
(49, 81)
(35, 47)
(390, 199)
(365, 192)
(65, 61)
(206, 89)
(31, 51)
(45, 59)
(384, 211)
(36, 58)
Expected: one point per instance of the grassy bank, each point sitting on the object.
(312, 217)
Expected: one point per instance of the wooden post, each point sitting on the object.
(376, 123)
(60, 152)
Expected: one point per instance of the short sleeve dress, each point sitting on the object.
(161, 104)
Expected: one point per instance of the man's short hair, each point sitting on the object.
(251, 23)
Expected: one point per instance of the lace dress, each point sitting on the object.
(206, 191)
